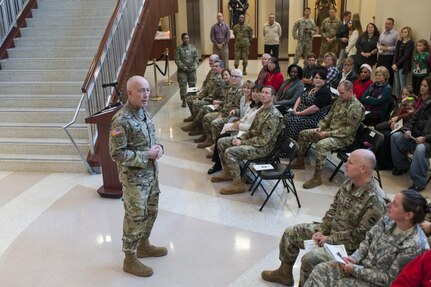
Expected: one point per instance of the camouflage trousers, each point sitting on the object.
(241, 53)
(231, 155)
(302, 47)
(322, 146)
(293, 240)
(189, 101)
(325, 47)
(207, 122)
(330, 274)
(140, 212)
(183, 79)
(217, 126)
(203, 111)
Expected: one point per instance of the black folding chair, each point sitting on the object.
(281, 172)
(366, 138)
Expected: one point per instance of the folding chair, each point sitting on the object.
(367, 138)
(281, 172)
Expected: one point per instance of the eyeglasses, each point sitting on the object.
(235, 76)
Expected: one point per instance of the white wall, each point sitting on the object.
(181, 20)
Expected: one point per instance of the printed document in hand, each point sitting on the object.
(398, 126)
(259, 167)
(310, 245)
(337, 252)
(193, 90)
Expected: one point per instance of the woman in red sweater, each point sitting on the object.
(274, 77)
(415, 274)
(363, 82)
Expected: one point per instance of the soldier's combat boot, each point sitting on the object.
(224, 176)
(189, 127)
(236, 187)
(282, 275)
(132, 265)
(208, 142)
(316, 180)
(145, 249)
(244, 72)
(201, 139)
(196, 132)
(189, 119)
(183, 104)
(299, 163)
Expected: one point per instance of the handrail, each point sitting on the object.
(106, 65)
(10, 11)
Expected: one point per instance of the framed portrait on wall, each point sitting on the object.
(320, 9)
(166, 28)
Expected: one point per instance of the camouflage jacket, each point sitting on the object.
(299, 29)
(329, 27)
(213, 89)
(265, 129)
(243, 34)
(343, 119)
(186, 56)
(132, 135)
(353, 213)
(231, 100)
(382, 255)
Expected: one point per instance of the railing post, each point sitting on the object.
(168, 82)
(156, 88)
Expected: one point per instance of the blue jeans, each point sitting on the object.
(400, 81)
(341, 58)
(400, 146)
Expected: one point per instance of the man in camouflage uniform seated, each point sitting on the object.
(357, 206)
(134, 147)
(258, 142)
(335, 131)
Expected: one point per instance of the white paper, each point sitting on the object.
(192, 90)
(337, 252)
(335, 91)
(259, 167)
(310, 245)
(398, 126)
(212, 107)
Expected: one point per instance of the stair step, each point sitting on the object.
(61, 21)
(71, 41)
(42, 146)
(96, 31)
(43, 75)
(45, 63)
(40, 88)
(44, 115)
(43, 130)
(63, 53)
(72, 4)
(68, 13)
(12, 162)
(39, 101)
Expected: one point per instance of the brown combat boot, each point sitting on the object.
(183, 104)
(316, 180)
(196, 132)
(209, 155)
(208, 142)
(236, 187)
(244, 72)
(189, 127)
(224, 176)
(282, 275)
(132, 265)
(189, 119)
(201, 139)
(145, 249)
(299, 163)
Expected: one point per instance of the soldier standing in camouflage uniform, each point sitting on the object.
(328, 30)
(133, 145)
(335, 131)
(303, 31)
(187, 61)
(231, 101)
(258, 142)
(243, 36)
(392, 243)
(357, 206)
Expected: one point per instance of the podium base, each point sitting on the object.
(110, 192)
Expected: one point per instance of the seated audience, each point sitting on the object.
(363, 82)
(238, 127)
(377, 99)
(264, 71)
(392, 243)
(290, 90)
(348, 73)
(329, 62)
(274, 78)
(415, 136)
(310, 107)
(310, 66)
(335, 131)
(415, 274)
(424, 92)
(357, 206)
(257, 142)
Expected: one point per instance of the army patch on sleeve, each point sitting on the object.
(116, 132)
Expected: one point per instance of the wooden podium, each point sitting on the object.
(111, 187)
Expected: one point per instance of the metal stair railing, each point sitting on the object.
(10, 11)
(106, 66)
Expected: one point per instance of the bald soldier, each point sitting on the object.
(335, 131)
(134, 147)
(357, 206)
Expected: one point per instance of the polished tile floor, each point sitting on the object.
(56, 230)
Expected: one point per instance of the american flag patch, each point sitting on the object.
(116, 132)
